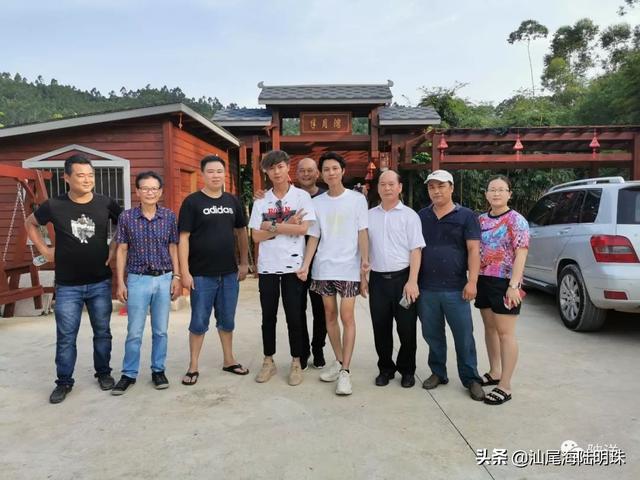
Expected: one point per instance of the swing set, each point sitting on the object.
(30, 192)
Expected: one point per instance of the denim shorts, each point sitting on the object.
(217, 293)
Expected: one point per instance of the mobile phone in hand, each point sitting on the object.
(507, 301)
(405, 302)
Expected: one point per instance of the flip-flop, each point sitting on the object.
(497, 396)
(192, 376)
(488, 380)
(234, 369)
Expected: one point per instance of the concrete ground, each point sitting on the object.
(568, 386)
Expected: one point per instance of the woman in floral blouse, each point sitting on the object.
(503, 252)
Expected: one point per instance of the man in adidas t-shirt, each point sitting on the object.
(211, 224)
(279, 222)
(340, 237)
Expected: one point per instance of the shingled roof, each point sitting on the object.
(247, 117)
(325, 94)
(389, 116)
(397, 115)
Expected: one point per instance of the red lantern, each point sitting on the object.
(442, 145)
(518, 147)
(594, 145)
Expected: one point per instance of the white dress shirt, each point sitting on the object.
(392, 236)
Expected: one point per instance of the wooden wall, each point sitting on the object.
(148, 144)
(184, 154)
(138, 141)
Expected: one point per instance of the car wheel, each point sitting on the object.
(577, 311)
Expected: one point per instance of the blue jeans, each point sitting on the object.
(433, 308)
(68, 311)
(147, 292)
(214, 292)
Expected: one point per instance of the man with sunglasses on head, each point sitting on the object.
(148, 251)
(279, 222)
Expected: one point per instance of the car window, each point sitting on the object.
(590, 205)
(568, 208)
(541, 212)
(629, 206)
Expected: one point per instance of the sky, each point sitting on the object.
(224, 48)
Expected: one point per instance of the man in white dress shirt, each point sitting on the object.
(395, 244)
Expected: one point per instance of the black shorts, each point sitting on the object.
(491, 292)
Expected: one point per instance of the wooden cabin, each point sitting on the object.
(170, 139)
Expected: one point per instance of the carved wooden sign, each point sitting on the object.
(329, 122)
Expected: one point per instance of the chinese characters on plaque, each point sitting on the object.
(319, 122)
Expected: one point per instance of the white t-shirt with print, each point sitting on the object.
(283, 253)
(339, 219)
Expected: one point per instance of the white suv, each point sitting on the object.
(585, 240)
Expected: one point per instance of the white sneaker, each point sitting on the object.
(332, 373)
(344, 383)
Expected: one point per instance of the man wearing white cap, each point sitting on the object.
(452, 237)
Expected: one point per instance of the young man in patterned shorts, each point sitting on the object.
(340, 237)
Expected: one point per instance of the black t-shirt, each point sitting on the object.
(319, 192)
(211, 223)
(306, 237)
(81, 237)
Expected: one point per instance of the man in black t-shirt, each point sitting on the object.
(307, 175)
(80, 219)
(211, 221)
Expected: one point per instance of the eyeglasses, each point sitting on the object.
(153, 190)
(498, 190)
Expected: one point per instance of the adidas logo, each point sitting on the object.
(217, 210)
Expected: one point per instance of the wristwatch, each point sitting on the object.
(515, 286)
(273, 227)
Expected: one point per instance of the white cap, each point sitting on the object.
(440, 176)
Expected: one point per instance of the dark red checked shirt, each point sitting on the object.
(147, 240)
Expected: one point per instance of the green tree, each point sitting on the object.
(27, 102)
(628, 4)
(618, 41)
(613, 98)
(571, 57)
(527, 31)
(522, 110)
(456, 111)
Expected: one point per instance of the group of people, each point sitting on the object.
(315, 243)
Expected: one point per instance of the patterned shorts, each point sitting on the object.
(329, 288)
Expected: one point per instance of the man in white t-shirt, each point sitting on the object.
(340, 237)
(279, 222)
